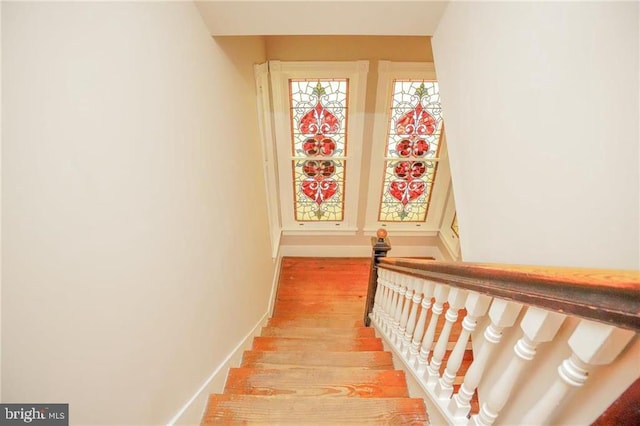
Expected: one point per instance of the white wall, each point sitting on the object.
(135, 254)
(541, 103)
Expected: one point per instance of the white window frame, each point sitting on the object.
(387, 73)
(263, 99)
(281, 73)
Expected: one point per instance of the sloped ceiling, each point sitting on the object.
(313, 17)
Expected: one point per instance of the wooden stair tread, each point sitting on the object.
(250, 409)
(315, 332)
(331, 320)
(300, 266)
(324, 322)
(319, 344)
(311, 308)
(363, 359)
(310, 291)
(313, 293)
(329, 382)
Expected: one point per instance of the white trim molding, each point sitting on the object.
(267, 141)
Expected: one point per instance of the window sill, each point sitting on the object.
(315, 230)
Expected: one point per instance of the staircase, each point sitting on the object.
(315, 362)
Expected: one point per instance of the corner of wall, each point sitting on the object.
(448, 252)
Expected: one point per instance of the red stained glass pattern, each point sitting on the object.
(417, 122)
(318, 120)
(408, 186)
(414, 138)
(318, 187)
(406, 193)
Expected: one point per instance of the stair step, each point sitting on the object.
(306, 290)
(328, 382)
(315, 332)
(318, 307)
(318, 321)
(338, 317)
(320, 295)
(320, 344)
(250, 409)
(375, 360)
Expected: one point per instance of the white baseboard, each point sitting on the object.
(274, 282)
(191, 413)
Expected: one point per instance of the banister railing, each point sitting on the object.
(580, 319)
(601, 295)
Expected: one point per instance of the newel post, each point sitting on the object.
(380, 247)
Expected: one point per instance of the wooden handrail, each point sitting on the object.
(607, 296)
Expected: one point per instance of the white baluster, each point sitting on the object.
(413, 314)
(383, 289)
(441, 293)
(377, 301)
(404, 316)
(592, 344)
(476, 306)
(386, 299)
(457, 297)
(502, 314)
(427, 294)
(538, 326)
(388, 324)
(402, 290)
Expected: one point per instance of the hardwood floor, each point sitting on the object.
(315, 362)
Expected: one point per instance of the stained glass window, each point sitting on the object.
(319, 145)
(411, 153)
